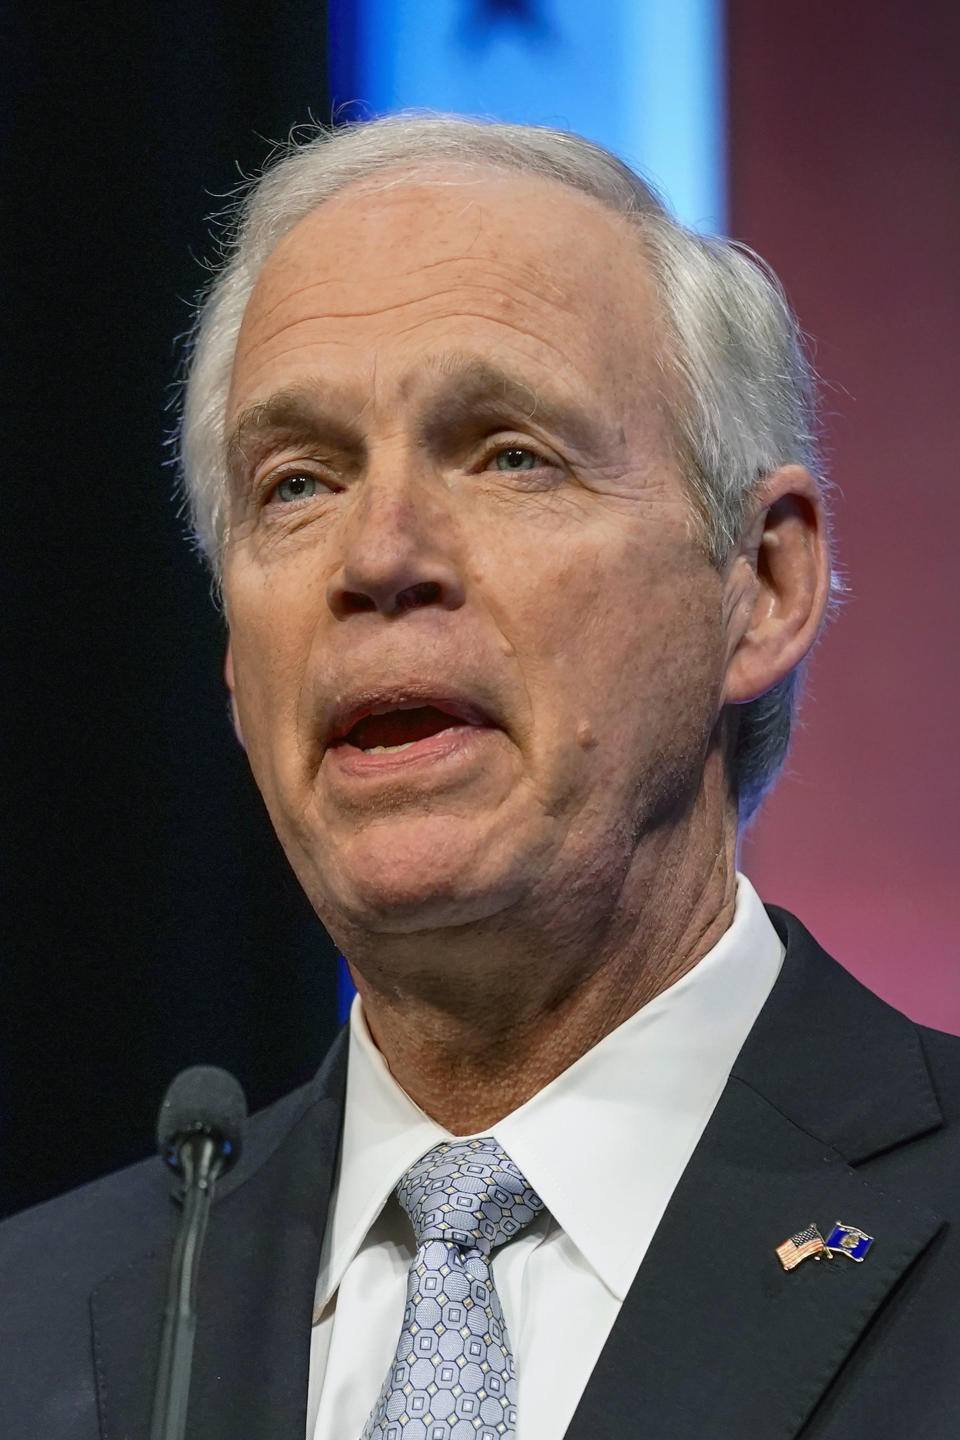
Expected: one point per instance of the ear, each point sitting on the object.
(777, 585)
(228, 675)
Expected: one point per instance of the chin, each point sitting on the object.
(434, 877)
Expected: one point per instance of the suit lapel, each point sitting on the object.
(256, 1289)
(715, 1337)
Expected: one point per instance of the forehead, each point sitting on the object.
(454, 258)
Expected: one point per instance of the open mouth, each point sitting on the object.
(397, 730)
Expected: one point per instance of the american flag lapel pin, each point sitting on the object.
(848, 1240)
(807, 1244)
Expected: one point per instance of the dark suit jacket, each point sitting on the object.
(838, 1108)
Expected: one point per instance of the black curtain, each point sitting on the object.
(149, 919)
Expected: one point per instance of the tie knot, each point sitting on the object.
(469, 1192)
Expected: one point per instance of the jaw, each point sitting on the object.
(411, 841)
(454, 842)
(417, 869)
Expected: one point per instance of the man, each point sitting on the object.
(508, 483)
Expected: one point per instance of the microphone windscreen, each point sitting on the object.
(203, 1100)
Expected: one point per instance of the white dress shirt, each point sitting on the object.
(603, 1144)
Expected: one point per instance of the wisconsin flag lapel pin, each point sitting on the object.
(848, 1240)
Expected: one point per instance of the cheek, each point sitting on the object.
(584, 608)
(623, 648)
(270, 640)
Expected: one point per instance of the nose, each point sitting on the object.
(398, 551)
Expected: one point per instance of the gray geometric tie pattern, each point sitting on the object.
(453, 1376)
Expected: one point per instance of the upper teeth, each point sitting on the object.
(387, 749)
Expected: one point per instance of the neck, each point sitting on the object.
(474, 1022)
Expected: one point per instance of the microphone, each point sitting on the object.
(200, 1132)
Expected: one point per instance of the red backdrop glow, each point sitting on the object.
(844, 144)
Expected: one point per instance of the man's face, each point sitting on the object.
(476, 650)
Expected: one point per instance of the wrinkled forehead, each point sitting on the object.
(443, 212)
(461, 242)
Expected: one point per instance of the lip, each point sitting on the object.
(349, 710)
(435, 759)
(456, 743)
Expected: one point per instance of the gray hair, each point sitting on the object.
(732, 345)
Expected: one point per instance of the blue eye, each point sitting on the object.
(515, 458)
(296, 487)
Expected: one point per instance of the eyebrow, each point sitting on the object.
(294, 416)
(471, 392)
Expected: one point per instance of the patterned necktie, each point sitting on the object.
(453, 1375)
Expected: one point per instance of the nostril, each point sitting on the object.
(353, 601)
(389, 601)
(427, 592)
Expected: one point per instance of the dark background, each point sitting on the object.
(148, 918)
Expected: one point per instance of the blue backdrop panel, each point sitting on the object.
(643, 77)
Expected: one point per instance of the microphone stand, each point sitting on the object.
(201, 1157)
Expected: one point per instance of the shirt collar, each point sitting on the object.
(384, 1133)
(622, 1121)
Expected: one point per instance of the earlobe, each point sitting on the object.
(229, 677)
(787, 551)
